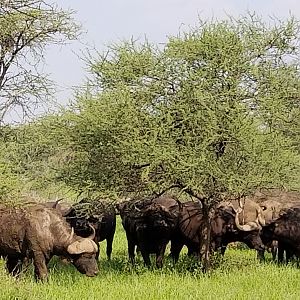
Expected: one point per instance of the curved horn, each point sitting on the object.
(72, 234)
(136, 208)
(260, 217)
(92, 236)
(56, 202)
(246, 227)
(241, 205)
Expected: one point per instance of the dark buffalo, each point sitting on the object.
(189, 230)
(149, 224)
(274, 248)
(100, 214)
(280, 216)
(231, 223)
(281, 250)
(285, 229)
(37, 233)
(237, 221)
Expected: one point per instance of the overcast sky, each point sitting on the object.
(115, 20)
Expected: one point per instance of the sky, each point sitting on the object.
(110, 21)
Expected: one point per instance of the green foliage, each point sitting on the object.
(208, 113)
(9, 180)
(31, 154)
(26, 28)
(214, 111)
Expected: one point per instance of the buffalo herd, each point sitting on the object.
(266, 220)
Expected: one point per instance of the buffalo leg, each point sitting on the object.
(280, 252)
(160, 256)
(274, 253)
(289, 253)
(261, 254)
(146, 257)
(131, 247)
(274, 249)
(40, 267)
(109, 242)
(14, 266)
(98, 251)
(219, 245)
(193, 252)
(176, 247)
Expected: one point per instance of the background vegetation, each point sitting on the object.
(213, 112)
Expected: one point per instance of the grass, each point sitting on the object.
(238, 276)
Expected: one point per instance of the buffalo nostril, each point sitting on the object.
(92, 274)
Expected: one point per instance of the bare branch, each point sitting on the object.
(26, 27)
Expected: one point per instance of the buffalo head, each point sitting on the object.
(82, 252)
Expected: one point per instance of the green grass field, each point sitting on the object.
(239, 276)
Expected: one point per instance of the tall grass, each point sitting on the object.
(239, 276)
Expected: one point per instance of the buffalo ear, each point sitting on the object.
(84, 245)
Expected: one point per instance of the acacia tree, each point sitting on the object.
(26, 28)
(203, 114)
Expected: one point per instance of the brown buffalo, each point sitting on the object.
(238, 221)
(37, 233)
(233, 221)
(189, 231)
(149, 224)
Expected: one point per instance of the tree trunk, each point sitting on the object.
(205, 244)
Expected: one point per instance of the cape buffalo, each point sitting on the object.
(285, 229)
(100, 214)
(278, 215)
(189, 230)
(232, 222)
(238, 221)
(149, 224)
(37, 233)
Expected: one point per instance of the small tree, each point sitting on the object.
(26, 28)
(200, 115)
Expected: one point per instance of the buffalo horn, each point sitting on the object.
(241, 204)
(260, 217)
(92, 236)
(136, 208)
(246, 227)
(83, 245)
(56, 202)
(72, 234)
